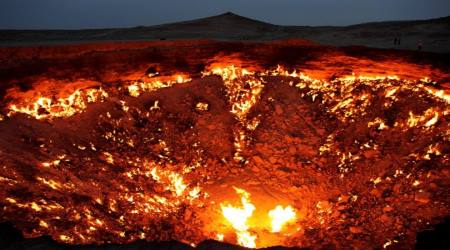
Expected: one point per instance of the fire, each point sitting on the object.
(428, 119)
(177, 183)
(201, 106)
(220, 237)
(238, 217)
(443, 95)
(243, 88)
(174, 182)
(138, 87)
(379, 123)
(246, 239)
(166, 184)
(48, 108)
(280, 216)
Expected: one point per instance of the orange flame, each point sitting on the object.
(238, 217)
(47, 108)
(280, 216)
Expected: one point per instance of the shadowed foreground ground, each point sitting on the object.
(12, 239)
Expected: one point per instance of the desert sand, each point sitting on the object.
(433, 34)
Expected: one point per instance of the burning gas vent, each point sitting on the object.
(247, 155)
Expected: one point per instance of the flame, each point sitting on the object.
(428, 119)
(174, 182)
(280, 216)
(202, 106)
(246, 239)
(341, 98)
(47, 108)
(238, 217)
(177, 183)
(243, 87)
(439, 94)
(220, 237)
(433, 120)
(138, 87)
(379, 123)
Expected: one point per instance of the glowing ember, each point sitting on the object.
(201, 106)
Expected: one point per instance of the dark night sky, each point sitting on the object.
(74, 14)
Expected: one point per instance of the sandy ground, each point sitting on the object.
(433, 34)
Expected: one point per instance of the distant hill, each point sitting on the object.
(434, 34)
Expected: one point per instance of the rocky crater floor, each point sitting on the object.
(284, 143)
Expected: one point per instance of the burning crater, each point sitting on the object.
(241, 150)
